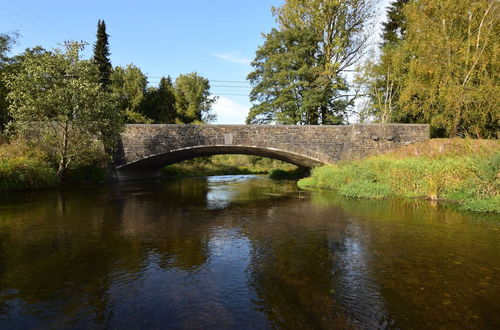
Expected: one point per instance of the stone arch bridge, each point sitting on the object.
(144, 149)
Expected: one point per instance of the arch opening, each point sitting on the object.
(149, 167)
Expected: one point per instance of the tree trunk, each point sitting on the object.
(64, 161)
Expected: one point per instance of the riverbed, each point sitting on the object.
(242, 252)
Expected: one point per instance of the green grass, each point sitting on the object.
(464, 171)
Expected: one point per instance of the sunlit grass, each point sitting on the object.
(465, 171)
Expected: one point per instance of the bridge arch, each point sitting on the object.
(149, 167)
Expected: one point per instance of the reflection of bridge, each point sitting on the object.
(144, 149)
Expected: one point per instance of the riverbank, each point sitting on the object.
(231, 165)
(463, 171)
(26, 168)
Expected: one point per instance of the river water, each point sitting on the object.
(242, 252)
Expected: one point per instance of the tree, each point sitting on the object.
(57, 103)
(287, 82)
(193, 101)
(331, 34)
(101, 55)
(129, 85)
(394, 29)
(6, 42)
(159, 102)
(452, 81)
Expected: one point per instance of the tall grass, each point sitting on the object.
(464, 171)
(23, 168)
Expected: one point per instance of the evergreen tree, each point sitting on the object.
(394, 29)
(159, 102)
(101, 55)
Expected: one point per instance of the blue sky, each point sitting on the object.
(216, 38)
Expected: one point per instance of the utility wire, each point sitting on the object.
(224, 94)
(10, 13)
(29, 12)
(27, 28)
(212, 80)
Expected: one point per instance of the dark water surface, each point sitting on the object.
(242, 252)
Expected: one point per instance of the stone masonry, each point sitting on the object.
(144, 149)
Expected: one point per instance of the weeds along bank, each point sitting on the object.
(27, 168)
(461, 170)
(24, 168)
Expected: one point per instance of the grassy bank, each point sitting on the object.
(228, 165)
(27, 168)
(23, 168)
(460, 170)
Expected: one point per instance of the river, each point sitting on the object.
(242, 252)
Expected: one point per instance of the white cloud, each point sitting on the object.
(234, 57)
(230, 112)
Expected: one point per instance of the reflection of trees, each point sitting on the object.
(61, 255)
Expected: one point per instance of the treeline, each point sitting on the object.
(183, 101)
(65, 112)
(437, 63)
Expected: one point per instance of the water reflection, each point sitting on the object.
(242, 252)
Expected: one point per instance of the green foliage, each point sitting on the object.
(129, 86)
(442, 69)
(24, 168)
(193, 101)
(299, 71)
(188, 101)
(452, 82)
(226, 165)
(394, 29)
(468, 176)
(57, 104)
(159, 102)
(101, 55)
(6, 42)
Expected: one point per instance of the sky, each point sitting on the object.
(215, 38)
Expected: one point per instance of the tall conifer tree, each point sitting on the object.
(394, 29)
(101, 55)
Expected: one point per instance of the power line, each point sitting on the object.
(28, 28)
(212, 80)
(41, 18)
(227, 86)
(228, 94)
(10, 13)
